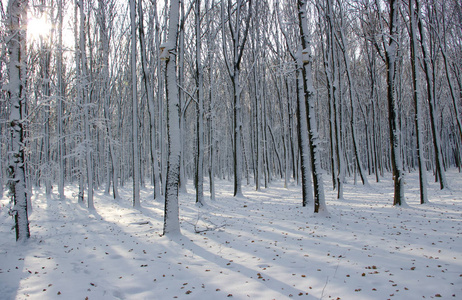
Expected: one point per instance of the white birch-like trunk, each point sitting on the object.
(112, 166)
(417, 106)
(79, 92)
(318, 184)
(60, 99)
(16, 24)
(303, 139)
(171, 212)
(395, 144)
(212, 116)
(45, 55)
(237, 134)
(453, 92)
(159, 99)
(181, 97)
(431, 102)
(136, 158)
(200, 111)
(86, 107)
(151, 105)
(239, 39)
(352, 92)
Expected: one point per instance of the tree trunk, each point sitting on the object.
(199, 111)
(391, 52)
(352, 92)
(171, 213)
(417, 106)
(60, 100)
(86, 107)
(318, 184)
(239, 39)
(152, 114)
(429, 76)
(136, 159)
(17, 13)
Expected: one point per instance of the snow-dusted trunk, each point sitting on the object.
(303, 139)
(45, 61)
(212, 140)
(331, 99)
(393, 122)
(200, 111)
(257, 114)
(318, 184)
(86, 107)
(60, 100)
(330, 67)
(453, 92)
(82, 94)
(159, 98)
(239, 39)
(79, 88)
(181, 96)
(280, 99)
(136, 159)
(171, 213)
(112, 166)
(417, 106)
(352, 92)
(429, 76)
(339, 126)
(149, 92)
(16, 24)
(264, 130)
(237, 135)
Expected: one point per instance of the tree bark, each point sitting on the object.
(393, 123)
(199, 111)
(417, 106)
(318, 184)
(86, 107)
(429, 76)
(151, 105)
(171, 213)
(134, 90)
(16, 23)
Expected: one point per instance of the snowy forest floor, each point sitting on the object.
(263, 246)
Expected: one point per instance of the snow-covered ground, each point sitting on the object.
(265, 246)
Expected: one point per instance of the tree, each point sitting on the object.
(60, 100)
(136, 159)
(391, 52)
(302, 125)
(171, 212)
(84, 102)
(352, 93)
(200, 110)
(105, 26)
(239, 39)
(16, 25)
(147, 78)
(332, 82)
(417, 105)
(309, 93)
(428, 64)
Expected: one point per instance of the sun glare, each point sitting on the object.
(38, 28)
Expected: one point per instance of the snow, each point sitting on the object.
(263, 246)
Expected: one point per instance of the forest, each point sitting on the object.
(212, 149)
(106, 94)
